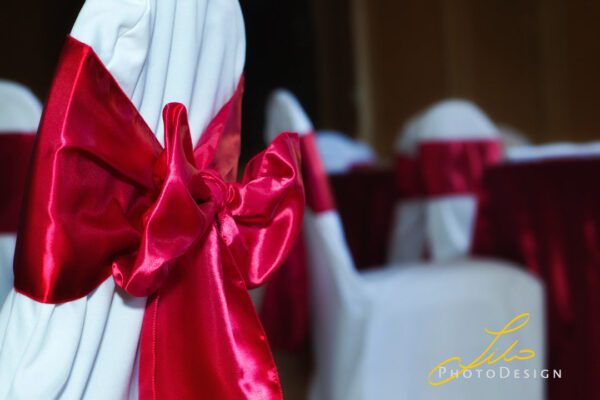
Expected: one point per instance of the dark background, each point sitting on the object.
(364, 66)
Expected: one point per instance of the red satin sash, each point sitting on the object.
(445, 167)
(106, 199)
(15, 152)
(318, 193)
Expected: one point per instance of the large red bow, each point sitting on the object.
(105, 198)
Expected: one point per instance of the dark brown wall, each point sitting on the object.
(529, 63)
(32, 33)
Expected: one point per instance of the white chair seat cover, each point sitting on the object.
(378, 334)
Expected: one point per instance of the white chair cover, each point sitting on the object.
(407, 237)
(341, 153)
(447, 221)
(20, 112)
(377, 335)
(552, 151)
(159, 51)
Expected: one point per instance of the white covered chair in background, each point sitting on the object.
(20, 110)
(552, 151)
(378, 334)
(20, 113)
(433, 217)
(407, 241)
(159, 51)
(341, 153)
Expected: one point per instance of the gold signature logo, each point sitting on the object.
(487, 356)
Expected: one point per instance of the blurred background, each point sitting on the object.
(363, 67)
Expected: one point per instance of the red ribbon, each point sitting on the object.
(106, 198)
(445, 168)
(318, 192)
(15, 152)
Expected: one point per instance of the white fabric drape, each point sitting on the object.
(159, 51)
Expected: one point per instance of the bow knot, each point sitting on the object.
(189, 201)
(212, 188)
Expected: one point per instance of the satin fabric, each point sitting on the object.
(456, 167)
(445, 167)
(284, 310)
(544, 215)
(15, 152)
(106, 199)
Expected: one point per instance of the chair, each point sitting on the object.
(378, 334)
(440, 158)
(341, 153)
(159, 52)
(20, 113)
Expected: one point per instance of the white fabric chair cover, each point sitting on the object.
(552, 151)
(407, 236)
(20, 112)
(159, 51)
(341, 153)
(338, 152)
(378, 334)
(447, 221)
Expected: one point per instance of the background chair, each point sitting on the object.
(378, 334)
(441, 155)
(20, 113)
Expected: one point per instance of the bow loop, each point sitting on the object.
(265, 212)
(176, 221)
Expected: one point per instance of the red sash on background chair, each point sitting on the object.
(440, 170)
(15, 154)
(105, 198)
(445, 167)
(545, 215)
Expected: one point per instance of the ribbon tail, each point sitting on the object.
(201, 334)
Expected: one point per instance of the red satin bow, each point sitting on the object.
(106, 198)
